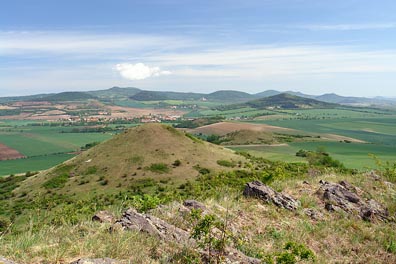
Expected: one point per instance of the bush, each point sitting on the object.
(176, 163)
(4, 223)
(144, 202)
(226, 163)
(56, 182)
(158, 168)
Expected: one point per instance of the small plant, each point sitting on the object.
(144, 202)
(91, 170)
(387, 169)
(56, 182)
(5, 223)
(226, 163)
(104, 182)
(292, 253)
(176, 163)
(158, 168)
(211, 234)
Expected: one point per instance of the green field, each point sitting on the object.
(44, 146)
(37, 163)
(376, 128)
(380, 131)
(353, 155)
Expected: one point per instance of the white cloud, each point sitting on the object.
(139, 71)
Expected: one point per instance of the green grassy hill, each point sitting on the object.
(148, 152)
(288, 101)
(115, 93)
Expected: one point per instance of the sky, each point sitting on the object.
(346, 47)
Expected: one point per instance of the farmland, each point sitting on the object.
(42, 134)
(43, 146)
(349, 134)
(378, 132)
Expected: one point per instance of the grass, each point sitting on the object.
(60, 234)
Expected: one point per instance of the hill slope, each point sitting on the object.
(67, 96)
(151, 151)
(288, 101)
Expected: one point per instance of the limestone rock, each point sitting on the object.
(104, 217)
(267, 194)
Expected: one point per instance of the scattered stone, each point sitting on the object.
(342, 196)
(313, 213)
(372, 174)
(95, 261)
(152, 225)
(374, 210)
(6, 261)
(267, 194)
(104, 217)
(192, 204)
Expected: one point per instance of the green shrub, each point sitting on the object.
(176, 163)
(91, 170)
(158, 168)
(4, 223)
(144, 202)
(56, 182)
(226, 163)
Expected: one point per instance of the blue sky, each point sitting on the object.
(313, 46)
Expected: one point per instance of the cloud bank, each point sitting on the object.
(139, 71)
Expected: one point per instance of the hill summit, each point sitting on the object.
(150, 151)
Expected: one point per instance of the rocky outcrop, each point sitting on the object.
(343, 196)
(260, 190)
(133, 220)
(192, 204)
(95, 261)
(313, 214)
(6, 261)
(104, 217)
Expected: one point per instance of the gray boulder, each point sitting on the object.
(132, 220)
(263, 192)
(104, 217)
(343, 196)
(192, 204)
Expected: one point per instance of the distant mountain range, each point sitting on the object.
(227, 96)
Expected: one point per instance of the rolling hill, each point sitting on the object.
(281, 101)
(67, 96)
(144, 153)
(222, 95)
(115, 93)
